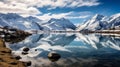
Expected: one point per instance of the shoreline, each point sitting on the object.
(6, 58)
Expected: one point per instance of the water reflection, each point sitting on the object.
(75, 50)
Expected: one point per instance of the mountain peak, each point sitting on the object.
(114, 16)
(59, 24)
(98, 17)
(10, 16)
(31, 18)
(99, 22)
(58, 19)
(17, 21)
(63, 18)
(95, 23)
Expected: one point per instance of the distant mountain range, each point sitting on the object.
(97, 22)
(100, 22)
(58, 24)
(33, 23)
(16, 21)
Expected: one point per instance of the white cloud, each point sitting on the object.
(19, 8)
(69, 15)
(80, 3)
(49, 15)
(29, 7)
(78, 17)
(24, 5)
(62, 3)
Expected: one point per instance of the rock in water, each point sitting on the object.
(18, 57)
(24, 53)
(54, 56)
(28, 63)
(26, 49)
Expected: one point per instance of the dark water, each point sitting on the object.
(76, 50)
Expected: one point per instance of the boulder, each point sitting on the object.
(54, 56)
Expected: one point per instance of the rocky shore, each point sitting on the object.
(6, 58)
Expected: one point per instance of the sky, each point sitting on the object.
(77, 11)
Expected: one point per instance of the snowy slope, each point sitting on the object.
(14, 20)
(58, 24)
(114, 21)
(95, 23)
(99, 22)
(33, 23)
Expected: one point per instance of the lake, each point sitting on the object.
(76, 50)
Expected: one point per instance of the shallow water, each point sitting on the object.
(76, 50)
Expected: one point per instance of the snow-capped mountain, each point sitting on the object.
(114, 21)
(33, 23)
(16, 21)
(100, 22)
(58, 24)
(95, 23)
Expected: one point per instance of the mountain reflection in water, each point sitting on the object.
(76, 50)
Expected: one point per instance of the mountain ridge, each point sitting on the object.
(33, 23)
(17, 21)
(58, 24)
(99, 22)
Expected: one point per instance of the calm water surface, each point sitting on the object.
(76, 50)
